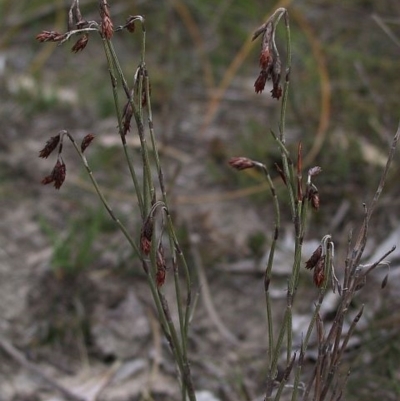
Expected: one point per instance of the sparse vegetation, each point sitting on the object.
(150, 229)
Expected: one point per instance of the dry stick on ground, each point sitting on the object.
(20, 358)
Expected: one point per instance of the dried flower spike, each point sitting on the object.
(161, 266)
(259, 85)
(241, 163)
(50, 36)
(80, 44)
(269, 61)
(57, 175)
(266, 59)
(107, 27)
(319, 273)
(313, 197)
(314, 259)
(130, 24)
(160, 277)
(146, 235)
(276, 78)
(51, 144)
(127, 117)
(48, 179)
(86, 141)
(144, 93)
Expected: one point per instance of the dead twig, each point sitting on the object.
(9, 349)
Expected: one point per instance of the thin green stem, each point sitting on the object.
(183, 316)
(268, 270)
(113, 64)
(103, 199)
(289, 174)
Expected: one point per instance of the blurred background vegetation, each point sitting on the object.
(344, 80)
(344, 107)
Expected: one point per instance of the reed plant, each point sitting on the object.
(156, 244)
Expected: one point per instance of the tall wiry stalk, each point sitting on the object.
(156, 221)
(149, 248)
(333, 341)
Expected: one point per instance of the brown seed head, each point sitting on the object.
(146, 235)
(241, 163)
(130, 24)
(276, 78)
(51, 144)
(48, 179)
(59, 173)
(80, 44)
(313, 197)
(259, 85)
(145, 245)
(50, 36)
(127, 117)
(276, 92)
(315, 257)
(161, 266)
(266, 59)
(160, 277)
(107, 27)
(315, 201)
(319, 274)
(86, 141)
(144, 95)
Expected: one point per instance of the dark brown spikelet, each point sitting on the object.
(48, 179)
(51, 144)
(86, 141)
(130, 24)
(80, 44)
(269, 61)
(276, 92)
(57, 176)
(144, 95)
(265, 59)
(313, 197)
(241, 163)
(319, 273)
(127, 117)
(59, 173)
(315, 257)
(160, 277)
(146, 235)
(107, 27)
(50, 36)
(276, 78)
(161, 267)
(315, 201)
(259, 85)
